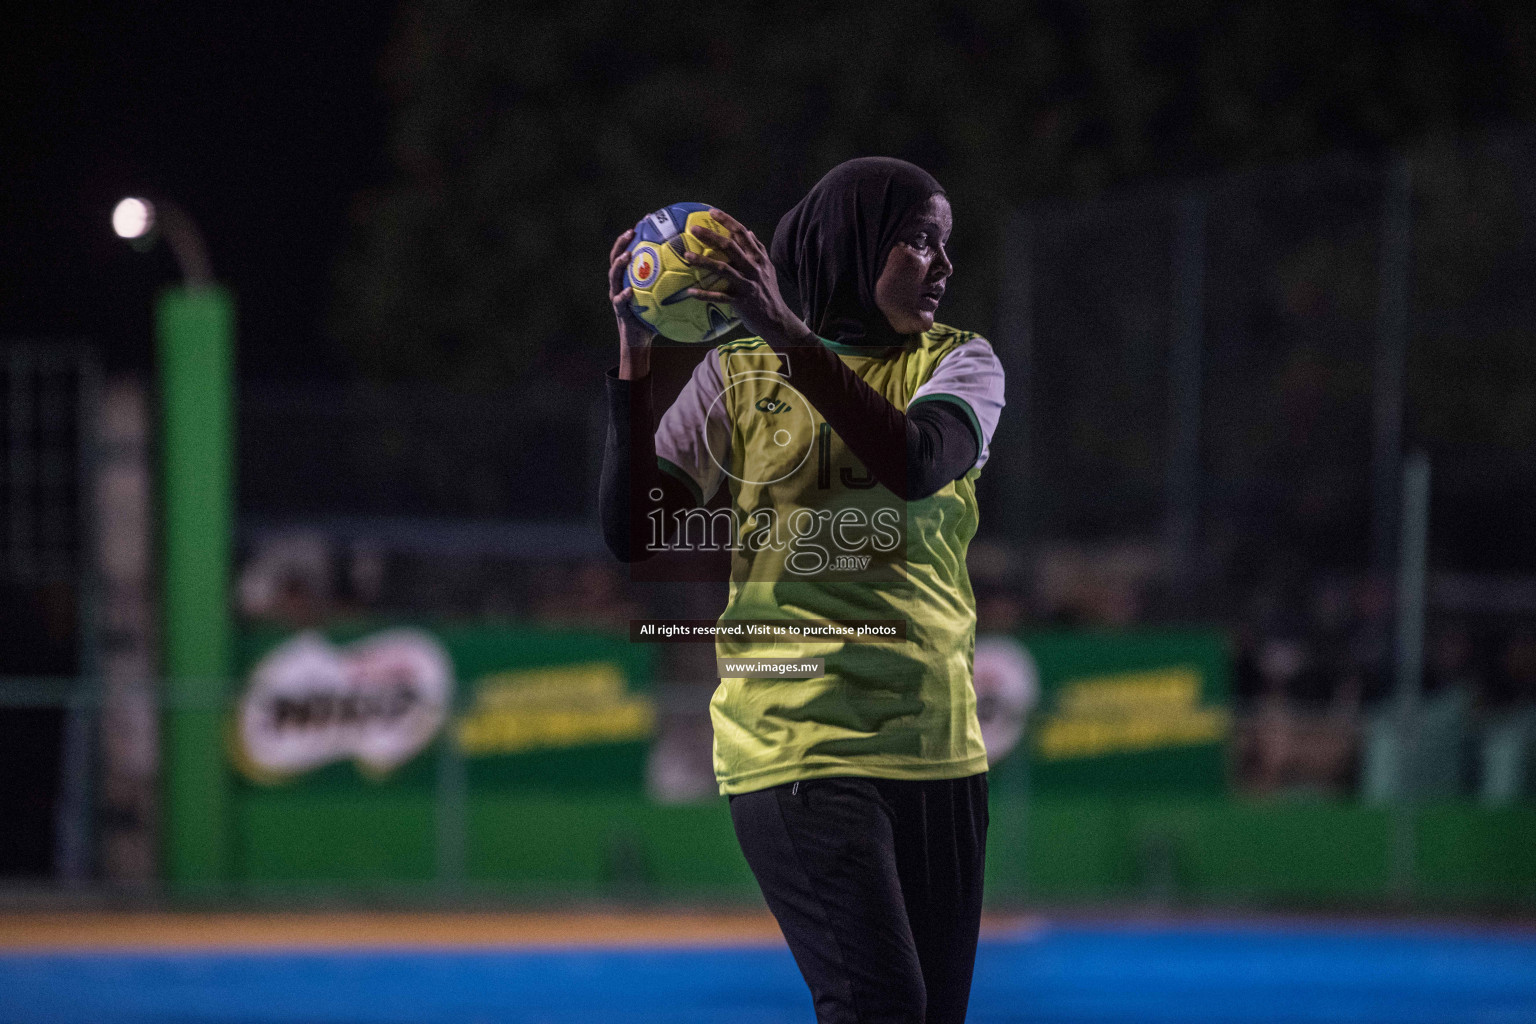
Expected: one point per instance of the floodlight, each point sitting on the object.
(133, 218)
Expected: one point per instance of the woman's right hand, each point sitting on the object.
(634, 337)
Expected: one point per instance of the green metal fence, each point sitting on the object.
(577, 823)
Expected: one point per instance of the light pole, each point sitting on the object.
(194, 334)
(141, 221)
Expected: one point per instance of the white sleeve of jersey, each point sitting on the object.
(970, 376)
(694, 436)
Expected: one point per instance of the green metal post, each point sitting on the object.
(195, 335)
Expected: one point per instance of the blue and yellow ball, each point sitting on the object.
(659, 276)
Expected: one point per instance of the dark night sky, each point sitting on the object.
(263, 120)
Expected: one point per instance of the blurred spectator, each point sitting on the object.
(39, 634)
(999, 609)
(1301, 730)
(1095, 585)
(367, 570)
(289, 579)
(1370, 649)
(1449, 661)
(1516, 672)
(1247, 681)
(995, 570)
(588, 593)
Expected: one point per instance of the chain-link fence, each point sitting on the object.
(50, 393)
(1232, 367)
(302, 803)
(1212, 386)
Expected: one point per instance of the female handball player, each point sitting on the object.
(859, 796)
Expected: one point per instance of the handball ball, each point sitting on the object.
(659, 276)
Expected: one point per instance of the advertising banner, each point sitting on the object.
(525, 706)
(1125, 712)
(497, 751)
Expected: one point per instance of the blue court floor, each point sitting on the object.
(1062, 973)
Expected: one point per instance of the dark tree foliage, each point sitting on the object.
(526, 136)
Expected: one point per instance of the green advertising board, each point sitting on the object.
(1113, 789)
(463, 751)
(371, 751)
(523, 706)
(1128, 712)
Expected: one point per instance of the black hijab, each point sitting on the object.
(831, 248)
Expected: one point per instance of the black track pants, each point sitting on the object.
(876, 884)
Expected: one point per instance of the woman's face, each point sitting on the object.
(912, 283)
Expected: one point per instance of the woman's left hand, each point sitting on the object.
(751, 286)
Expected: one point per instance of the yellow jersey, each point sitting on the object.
(816, 538)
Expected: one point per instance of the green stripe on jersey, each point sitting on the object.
(673, 469)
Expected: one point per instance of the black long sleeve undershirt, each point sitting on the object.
(911, 461)
(912, 455)
(630, 473)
